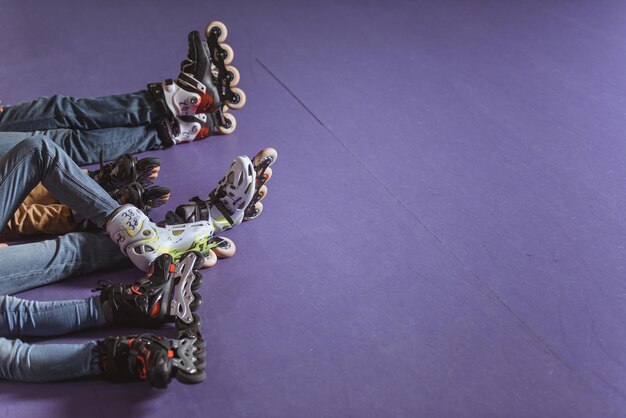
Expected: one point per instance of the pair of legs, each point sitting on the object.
(38, 159)
(87, 128)
(191, 107)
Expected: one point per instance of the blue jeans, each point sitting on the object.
(84, 128)
(34, 160)
(46, 362)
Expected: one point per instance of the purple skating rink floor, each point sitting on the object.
(445, 232)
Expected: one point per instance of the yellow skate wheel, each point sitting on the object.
(216, 24)
(242, 99)
(233, 125)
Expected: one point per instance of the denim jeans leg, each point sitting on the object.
(46, 362)
(85, 147)
(131, 109)
(26, 266)
(38, 159)
(19, 317)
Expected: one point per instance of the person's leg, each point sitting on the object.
(46, 362)
(19, 317)
(86, 147)
(26, 266)
(132, 109)
(37, 159)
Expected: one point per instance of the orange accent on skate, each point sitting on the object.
(172, 268)
(170, 353)
(134, 290)
(131, 341)
(206, 101)
(143, 371)
(156, 309)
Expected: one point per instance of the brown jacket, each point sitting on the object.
(40, 213)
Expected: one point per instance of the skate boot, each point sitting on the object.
(235, 199)
(225, 205)
(143, 241)
(205, 86)
(125, 170)
(168, 293)
(145, 199)
(153, 358)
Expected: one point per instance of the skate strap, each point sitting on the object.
(214, 198)
(156, 89)
(187, 80)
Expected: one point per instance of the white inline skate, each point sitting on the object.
(236, 198)
(143, 241)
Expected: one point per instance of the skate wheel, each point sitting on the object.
(218, 28)
(241, 99)
(210, 259)
(191, 379)
(255, 212)
(235, 75)
(265, 154)
(268, 174)
(192, 327)
(197, 301)
(197, 281)
(230, 54)
(226, 248)
(262, 192)
(225, 130)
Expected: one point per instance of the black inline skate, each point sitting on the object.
(128, 180)
(196, 103)
(235, 199)
(125, 170)
(141, 197)
(153, 358)
(168, 293)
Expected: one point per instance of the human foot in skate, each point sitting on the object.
(153, 359)
(143, 198)
(237, 197)
(225, 205)
(143, 241)
(126, 170)
(167, 293)
(197, 101)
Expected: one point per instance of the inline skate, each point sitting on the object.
(197, 101)
(153, 359)
(167, 293)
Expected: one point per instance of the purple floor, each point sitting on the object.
(445, 232)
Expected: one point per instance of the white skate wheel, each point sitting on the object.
(233, 125)
(210, 259)
(227, 250)
(230, 54)
(262, 192)
(268, 174)
(219, 25)
(263, 154)
(258, 208)
(242, 99)
(235, 73)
